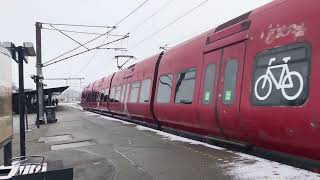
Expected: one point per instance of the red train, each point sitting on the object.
(252, 81)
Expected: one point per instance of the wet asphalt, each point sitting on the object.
(122, 151)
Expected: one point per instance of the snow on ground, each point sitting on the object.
(247, 166)
(75, 105)
(172, 137)
(251, 167)
(116, 120)
(244, 166)
(91, 113)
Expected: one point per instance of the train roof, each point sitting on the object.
(246, 16)
(201, 37)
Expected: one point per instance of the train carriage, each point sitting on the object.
(251, 81)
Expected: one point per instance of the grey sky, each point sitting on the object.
(19, 17)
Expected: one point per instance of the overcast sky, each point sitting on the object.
(19, 17)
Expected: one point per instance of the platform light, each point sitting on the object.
(29, 49)
(11, 47)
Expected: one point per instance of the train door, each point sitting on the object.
(207, 102)
(229, 90)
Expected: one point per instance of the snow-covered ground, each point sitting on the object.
(243, 167)
(75, 105)
(247, 166)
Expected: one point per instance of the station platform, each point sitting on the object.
(100, 147)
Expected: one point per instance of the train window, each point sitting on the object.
(101, 96)
(112, 93)
(127, 93)
(185, 86)
(134, 92)
(96, 96)
(281, 76)
(208, 84)
(164, 88)
(118, 94)
(123, 92)
(91, 97)
(230, 81)
(106, 95)
(145, 91)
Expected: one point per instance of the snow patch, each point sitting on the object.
(91, 114)
(115, 120)
(246, 166)
(172, 137)
(73, 105)
(251, 167)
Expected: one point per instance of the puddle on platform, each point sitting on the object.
(72, 145)
(56, 138)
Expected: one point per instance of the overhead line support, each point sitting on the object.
(68, 36)
(81, 25)
(65, 53)
(48, 64)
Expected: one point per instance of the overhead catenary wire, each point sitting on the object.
(79, 25)
(65, 53)
(81, 32)
(168, 2)
(117, 24)
(98, 37)
(86, 65)
(169, 24)
(82, 52)
(68, 36)
(132, 12)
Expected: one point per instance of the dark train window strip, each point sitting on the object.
(233, 21)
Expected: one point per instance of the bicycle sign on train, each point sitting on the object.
(284, 83)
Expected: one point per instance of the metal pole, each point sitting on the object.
(39, 74)
(37, 96)
(27, 123)
(7, 152)
(21, 102)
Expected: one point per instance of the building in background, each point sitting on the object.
(70, 95)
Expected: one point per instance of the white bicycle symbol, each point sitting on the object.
(285, 76)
